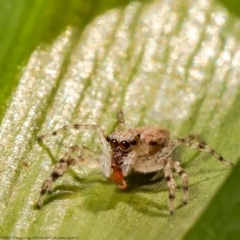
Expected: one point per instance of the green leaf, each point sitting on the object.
(172, 64)
(221, 218)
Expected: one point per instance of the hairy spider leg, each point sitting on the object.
(78, 127)
(120, 120)
(192, 141)
(76, 155)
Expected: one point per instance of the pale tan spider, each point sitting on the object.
(143, 149)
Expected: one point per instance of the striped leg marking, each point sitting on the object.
(104, 145)
(184, 177)
(74, 156)
(194, 141)
(68, 128)
(171, 164)
(120, 120)
(170, 183)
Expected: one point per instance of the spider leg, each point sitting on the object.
(194, 141)
(170, 183)
(105, 158)
(76, 155)
(153, 163)
(120, 120)
(171, 164)
(104, 145)
(177, 167)
(127, 163)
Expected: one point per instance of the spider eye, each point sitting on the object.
(113, 143)
(124, 145)
(133, 142)
(108, 139)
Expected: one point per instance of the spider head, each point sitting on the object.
(123, 141)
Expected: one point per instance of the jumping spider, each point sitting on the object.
(143, 149)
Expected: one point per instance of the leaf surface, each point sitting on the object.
(165, 63)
